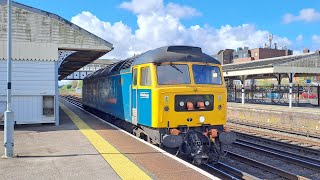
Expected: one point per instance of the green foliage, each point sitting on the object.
(264, 82)
(72, 87)
(74, 84)
(69, 86)
(80, 84)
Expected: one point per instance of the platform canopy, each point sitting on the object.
(307, 64)
(43, 36)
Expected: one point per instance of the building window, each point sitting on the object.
(145, 79)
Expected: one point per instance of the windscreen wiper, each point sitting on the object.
(205, 66)
(175, 67)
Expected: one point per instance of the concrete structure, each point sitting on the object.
(89, 68)
(45, 47)
(307, 64)
(225, 56)
(303, 119)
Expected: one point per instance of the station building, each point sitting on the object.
(45, 48)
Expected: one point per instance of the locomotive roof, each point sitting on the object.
(175, 54)
(159, 55)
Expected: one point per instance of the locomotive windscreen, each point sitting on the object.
(204, 74)
(173, 74)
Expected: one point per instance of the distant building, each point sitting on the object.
(259, 53)
(263, 53)
(225, 56)
(306, 50)
(242, 55)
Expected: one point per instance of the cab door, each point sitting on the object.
(144, 96)
(134, 97)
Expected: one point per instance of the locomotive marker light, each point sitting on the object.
(202, 119)
(181, 103)
(8, 115)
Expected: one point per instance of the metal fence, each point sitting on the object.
(301, 95)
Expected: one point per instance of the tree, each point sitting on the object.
(69, 86)
(74, 84)
(80, 84)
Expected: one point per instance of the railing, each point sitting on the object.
(301, 95)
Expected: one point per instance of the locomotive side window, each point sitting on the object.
(145, 79)
(134, 77)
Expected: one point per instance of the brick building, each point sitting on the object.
(245, 55)
(263, 53)
(225, 56)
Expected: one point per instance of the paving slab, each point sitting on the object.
(45, 151)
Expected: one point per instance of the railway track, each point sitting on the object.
(238, 166)
(276, 136)
(281, 142)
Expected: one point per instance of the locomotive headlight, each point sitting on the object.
(181, 103)
(201, 119)
(206, 103)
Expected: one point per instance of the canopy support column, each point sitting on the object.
(290, 88)
(279, 78)
(243, 79)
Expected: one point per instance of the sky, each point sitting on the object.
(135, 26)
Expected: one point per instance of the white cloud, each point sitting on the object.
(299, 38)
(160, 25)
(181, 11)
(316, 39)
(297, 52)
(142, 6)
(157, 6)
(307, 15)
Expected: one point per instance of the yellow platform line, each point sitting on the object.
(125, 168)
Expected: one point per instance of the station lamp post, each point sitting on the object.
(8, 121)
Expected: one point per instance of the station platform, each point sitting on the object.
(301, 118)
(84, 147)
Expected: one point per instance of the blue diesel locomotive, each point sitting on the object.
(173, 96)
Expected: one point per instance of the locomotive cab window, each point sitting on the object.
(145, 79)
(134, 77)
(205, 74)
(173, 74)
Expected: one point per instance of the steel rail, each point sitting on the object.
(287, 158)
(284, 144)
(285, 130)
(263, 166)
(220, 172)
(304, 158)
(230, 172)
